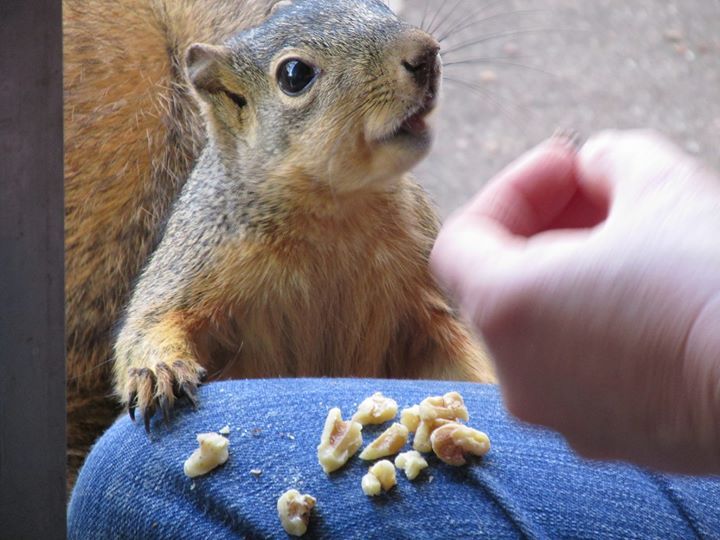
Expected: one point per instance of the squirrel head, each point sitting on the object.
(337, 91)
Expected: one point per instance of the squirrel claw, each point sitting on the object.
(165, 408)
(132, 392)
(131, 409)
(147, 415)
(189, 390)
(153, 389)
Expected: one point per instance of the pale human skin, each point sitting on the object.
(593, 276)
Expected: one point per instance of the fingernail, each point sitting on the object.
(569, 137)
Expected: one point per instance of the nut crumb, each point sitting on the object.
(213, 451)
(377, 409)
(225, 430)
(488, 76)
(674, 35)
(294, 511)
(339, 441)
(388, 443)
(256, 472)
(412, 463)
(491, 147)
(511, 49)
(380, 477)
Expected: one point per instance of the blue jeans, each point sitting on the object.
(529, 485)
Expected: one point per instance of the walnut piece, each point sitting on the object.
(380, 477)
(421, 441)
(377, 409)
(294, 511)
(451, 406)
(388, 443)
(411, 462)
(453, 441)
(410, 418)
(339, 441)
(434, 412)
(371, 486)
(213, 451)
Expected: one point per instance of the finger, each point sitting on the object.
(477, 261)
(620, 167)
(482, 240)
(528, 196)
(582, 212)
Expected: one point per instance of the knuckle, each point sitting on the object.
(646, 137)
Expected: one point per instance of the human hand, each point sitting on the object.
(594, 279)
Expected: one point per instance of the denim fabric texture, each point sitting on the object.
(530, 485)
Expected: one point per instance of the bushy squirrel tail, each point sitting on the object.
(133, 129)
(132, 134)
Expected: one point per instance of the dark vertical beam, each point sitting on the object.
(32, 351)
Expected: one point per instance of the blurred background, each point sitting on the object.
(517, 70)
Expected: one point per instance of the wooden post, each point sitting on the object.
(32, 350)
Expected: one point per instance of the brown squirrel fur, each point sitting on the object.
(133, 134)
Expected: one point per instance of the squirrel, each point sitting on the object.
(299, 244)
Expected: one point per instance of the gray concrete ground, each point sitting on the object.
(580, 64)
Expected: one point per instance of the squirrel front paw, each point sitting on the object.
(151, 388)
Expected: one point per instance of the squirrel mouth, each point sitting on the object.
(414, 125)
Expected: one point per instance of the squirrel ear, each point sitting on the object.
(279, 5)
(205, 67)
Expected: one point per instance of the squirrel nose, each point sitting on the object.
(424, 66)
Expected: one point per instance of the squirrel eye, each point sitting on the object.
(294, 76)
